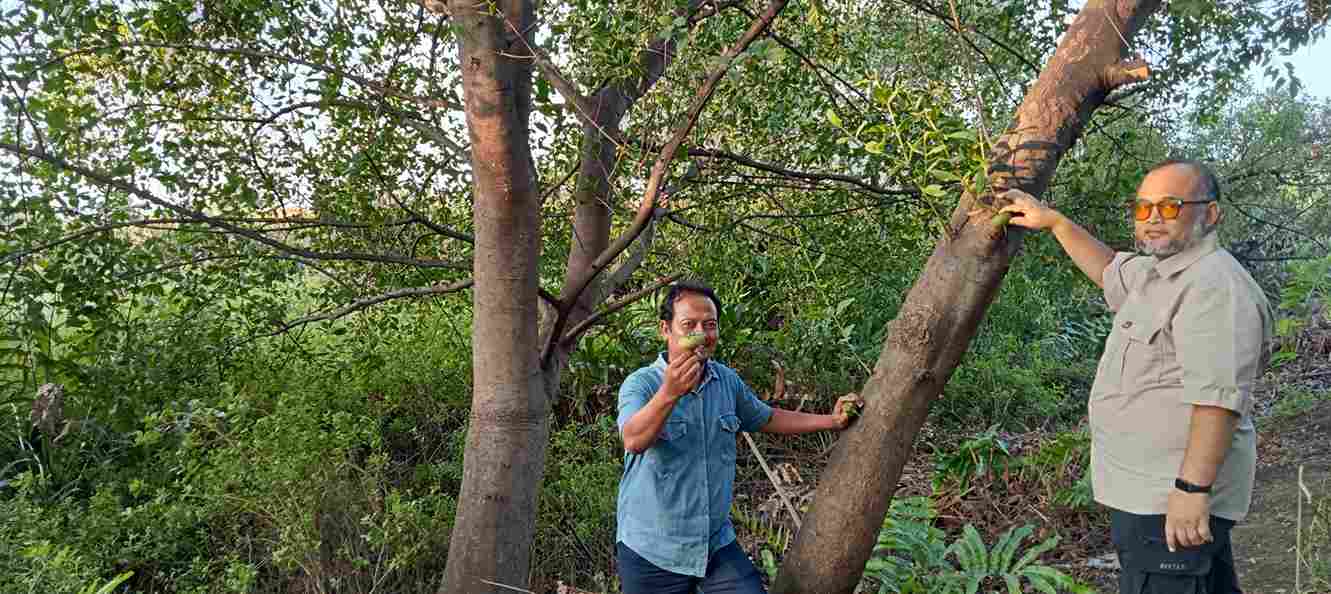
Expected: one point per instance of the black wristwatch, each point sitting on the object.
(1188, 487)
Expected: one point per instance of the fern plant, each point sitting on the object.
(1309, 282)
(910, 550)
(912, 558)
(107, 587)
(1001, 563)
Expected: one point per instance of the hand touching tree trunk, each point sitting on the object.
(943, 310)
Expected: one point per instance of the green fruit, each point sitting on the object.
(851, 409)
(1000, 220)
(692, 341)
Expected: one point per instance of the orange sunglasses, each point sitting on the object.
(1169, 207)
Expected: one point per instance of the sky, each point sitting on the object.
(1312, 65)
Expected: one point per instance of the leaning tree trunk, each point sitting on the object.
(505, 454)
(944, 308)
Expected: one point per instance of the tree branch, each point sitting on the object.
(108, 181)
(363, 81)
(648, 205)
(941, 16)
(581, 106)
(617, 305)
(1124, 73)
(155, 224)
(1296, 232)
(360, 304)
(620, 275)
(793, 174)
(216, 257)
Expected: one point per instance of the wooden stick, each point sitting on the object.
(771, 476)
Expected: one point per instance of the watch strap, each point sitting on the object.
(1188, 487)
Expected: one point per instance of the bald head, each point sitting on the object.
(1204, 183)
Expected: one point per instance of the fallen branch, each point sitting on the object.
(771, 476)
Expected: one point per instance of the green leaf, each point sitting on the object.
(981, 180)
(933, 191)
(967, 135)
(832, 117)
(110, 586)
(1050, 577)
(1034, 552)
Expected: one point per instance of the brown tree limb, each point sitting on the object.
(818, 69)
(597, 162)
(776, 482)
(945, 19)
(173, 225)
(1285, 228)
(576, 331)
(942, 312)
(637, 254)
(584, 278)
(1126, 72)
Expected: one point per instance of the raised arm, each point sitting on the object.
(1087, 252)
(641, 429)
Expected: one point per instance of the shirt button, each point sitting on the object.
(1127, 324)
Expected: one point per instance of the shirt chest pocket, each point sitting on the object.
(1146, 350)
(670, 452)
(727, 429)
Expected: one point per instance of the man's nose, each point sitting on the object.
(1155, 217)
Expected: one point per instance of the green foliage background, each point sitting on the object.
(205, 451)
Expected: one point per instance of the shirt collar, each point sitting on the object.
(661, 363)
(1181, 261)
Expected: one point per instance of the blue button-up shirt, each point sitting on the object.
(674, 498)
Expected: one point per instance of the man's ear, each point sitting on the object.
(1213, 214)
(664, 327)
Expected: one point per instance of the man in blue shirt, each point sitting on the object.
(679, 418)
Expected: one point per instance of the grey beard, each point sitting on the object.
(1199, 232)
(1173, 247)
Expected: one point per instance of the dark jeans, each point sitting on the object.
(729, 571)
(1149, 568)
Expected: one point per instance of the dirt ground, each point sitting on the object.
(1264, 545)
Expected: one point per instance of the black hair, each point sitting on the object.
(667, 312)
(1210, 183)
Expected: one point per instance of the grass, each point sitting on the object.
(1298, 400)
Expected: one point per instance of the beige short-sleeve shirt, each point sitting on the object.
(1189, 329)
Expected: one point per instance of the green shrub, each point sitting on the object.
(575, 536)
(911, 557)
(974, 458)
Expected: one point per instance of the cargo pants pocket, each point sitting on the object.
(1152, 569)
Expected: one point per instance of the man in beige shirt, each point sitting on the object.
(1173, 448)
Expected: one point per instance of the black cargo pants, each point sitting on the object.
(1147, 566)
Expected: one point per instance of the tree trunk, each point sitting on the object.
(505, 453)
(943, 310)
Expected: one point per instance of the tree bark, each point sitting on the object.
(943, 310)
(504, 459)
(592, 195)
